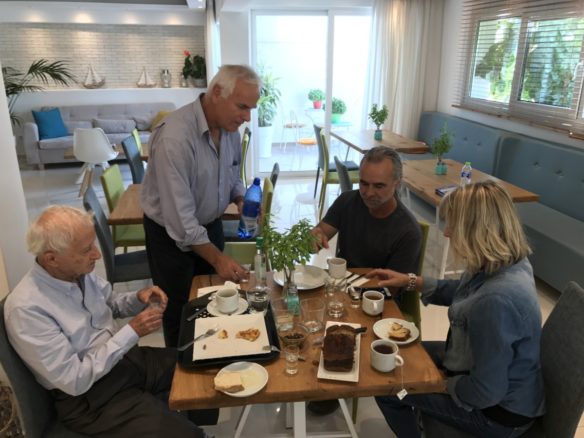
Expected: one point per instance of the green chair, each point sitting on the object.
(113, 188)
(244, 148)
(329, 174)
(136, 136)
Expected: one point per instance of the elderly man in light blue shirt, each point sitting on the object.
(60, 320)
(192, 176)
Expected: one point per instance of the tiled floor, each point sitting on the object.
(292, 200)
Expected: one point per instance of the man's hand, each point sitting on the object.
(323, 233)
(146, 321)
(153, 296)
(229, 269)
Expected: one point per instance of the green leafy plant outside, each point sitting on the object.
(269, 98)
(199, 70)
(41, 70)
(378, 116)
(316, 95)
(338, 106)
(443, 143)
(287, 249)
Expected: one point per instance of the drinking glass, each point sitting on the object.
(258, 299)
(291, 354)
(329, 287)
(335, 305)
(312, 314)
(355, 295)
(282, 316)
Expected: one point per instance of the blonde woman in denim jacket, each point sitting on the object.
(491, 354)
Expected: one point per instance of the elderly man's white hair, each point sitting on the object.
(228, 75)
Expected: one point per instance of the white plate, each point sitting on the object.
(381, 330)
(346, 376)
(253, 376)
(213, 310)
(306, 277)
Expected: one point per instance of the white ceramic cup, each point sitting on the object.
(227, 300)
(384, 355)
(372, 302)
(337, 267)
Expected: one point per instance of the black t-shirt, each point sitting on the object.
(366, 242)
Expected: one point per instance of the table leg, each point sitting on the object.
(241, 421)
(348, 418)
(299, 419)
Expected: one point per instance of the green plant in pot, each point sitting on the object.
(316, 96)
(41, 70)
(338, 109)
(269, 98)
(199, 71)
(378, 116)
(287, 249)
(441, 146)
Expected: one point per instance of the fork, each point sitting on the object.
(209, 332)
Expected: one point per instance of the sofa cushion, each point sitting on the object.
(72, 125)
(56, 143)
(114, 126)
(143, 123)
(50, 123)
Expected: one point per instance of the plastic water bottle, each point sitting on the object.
(466, 174)
(259, 262)
(251, 209)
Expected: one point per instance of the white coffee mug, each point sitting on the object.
(384, 355)
(372, 302)
(337, 267)
(227, 300)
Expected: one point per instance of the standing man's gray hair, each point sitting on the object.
(379, 153)
(228, 75)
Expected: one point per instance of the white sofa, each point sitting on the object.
(111, 117)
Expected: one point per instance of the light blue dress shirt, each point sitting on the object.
(189, 184)
(68, 338)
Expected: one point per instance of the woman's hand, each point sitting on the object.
(389, 278)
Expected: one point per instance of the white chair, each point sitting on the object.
(93, 148)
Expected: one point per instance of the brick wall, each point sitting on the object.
(117, 52)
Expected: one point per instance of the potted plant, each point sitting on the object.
(378, 117)
(187, 69)
(316, 96)
(338, 109)
(16, 82)
(287, 249)
(267, 109)
(199, 71)
(441, 146)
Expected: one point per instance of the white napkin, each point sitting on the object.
(207, 290)
(359, 282)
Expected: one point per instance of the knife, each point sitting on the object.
(352, 280)
(197, 313)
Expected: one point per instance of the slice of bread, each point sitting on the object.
(228, 382)
(398, 332)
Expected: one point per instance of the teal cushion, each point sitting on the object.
(50, 124)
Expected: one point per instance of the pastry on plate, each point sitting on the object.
(249, 335)
(398, 332)
(228, 382)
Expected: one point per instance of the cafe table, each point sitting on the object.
(364, 140)
(193, 389)
(129, 210)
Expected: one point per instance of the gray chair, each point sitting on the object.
(562, 361)
(344, 178)
(118, 267)
(37, 413)
(134, 159)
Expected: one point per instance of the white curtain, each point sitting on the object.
(212, 39)
(404, 65)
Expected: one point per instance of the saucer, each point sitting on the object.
(213, 310)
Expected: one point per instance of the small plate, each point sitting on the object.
(253, 375)
(213, 310)
(306, 277)
(381, 330)
(347, 376)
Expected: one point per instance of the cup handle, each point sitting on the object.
(399, 361)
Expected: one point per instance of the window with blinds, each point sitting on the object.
(524, 59)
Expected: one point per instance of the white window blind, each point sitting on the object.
(523, 59)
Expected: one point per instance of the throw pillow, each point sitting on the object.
(158, 118)
(50, 124)
(143, 123)
(115, 126)
(72, 125)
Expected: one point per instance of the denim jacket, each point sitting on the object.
(494, 339)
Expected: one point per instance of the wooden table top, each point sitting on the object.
(129, 210)
(363, 140)
(69, 154)
(193, 389)
(419, 177)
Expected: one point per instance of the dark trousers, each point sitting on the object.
(131, 400)
(173, 271)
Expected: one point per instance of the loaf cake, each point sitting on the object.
(338, 348)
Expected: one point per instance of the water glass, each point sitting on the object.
(335, 305)
(283, 318)
(245, 278)
(291, 354)
(258, 299)
(312, 314)
(355, 295)
(329, 287)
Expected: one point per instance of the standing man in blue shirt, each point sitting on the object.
(192, 176)
(60, 321)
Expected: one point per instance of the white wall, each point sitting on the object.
(448, 78)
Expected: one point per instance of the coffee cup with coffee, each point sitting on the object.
(337, 267)
(372, 302)
(384, 355)
(227, 300)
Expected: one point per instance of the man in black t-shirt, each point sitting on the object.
(375, 229)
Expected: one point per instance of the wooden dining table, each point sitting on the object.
(193, 389)
(364, 140)
(129, 210)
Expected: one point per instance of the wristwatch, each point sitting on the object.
(411, 282)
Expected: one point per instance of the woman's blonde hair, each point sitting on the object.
(484, 227)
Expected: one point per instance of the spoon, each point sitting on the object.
(209, 332)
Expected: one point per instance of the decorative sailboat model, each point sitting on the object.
(93, 79)
(145, 80)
